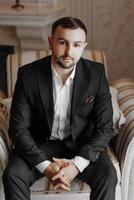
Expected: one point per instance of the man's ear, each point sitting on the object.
(86, 43)
(50, 42)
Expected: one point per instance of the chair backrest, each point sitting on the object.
(14, 61)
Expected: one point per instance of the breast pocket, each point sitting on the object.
(85, 109)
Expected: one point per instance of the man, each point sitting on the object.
(61, 119)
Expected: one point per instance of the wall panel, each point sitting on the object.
(110, 26)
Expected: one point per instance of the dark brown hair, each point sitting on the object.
(69, 22)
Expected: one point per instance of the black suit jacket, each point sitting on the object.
(32, 111)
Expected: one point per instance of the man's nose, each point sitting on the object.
(69, 50)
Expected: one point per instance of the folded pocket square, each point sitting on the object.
(89, 99)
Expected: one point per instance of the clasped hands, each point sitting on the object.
(61, 172)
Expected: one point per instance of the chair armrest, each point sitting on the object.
(128, 173)
(124, 144)
(4, 153)
(125, 89)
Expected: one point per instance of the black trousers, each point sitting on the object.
(18, 176)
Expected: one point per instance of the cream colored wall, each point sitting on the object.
(111, 28)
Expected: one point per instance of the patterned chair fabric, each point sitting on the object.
(124, 145)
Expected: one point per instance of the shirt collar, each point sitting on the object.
(69, 79)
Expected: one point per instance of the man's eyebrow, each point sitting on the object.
(60, 38)
(68, 41)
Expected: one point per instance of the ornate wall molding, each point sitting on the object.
(32, 23)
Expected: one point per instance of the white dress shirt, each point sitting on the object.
(62, 94)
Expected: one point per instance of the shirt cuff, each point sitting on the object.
(42, 166)
(80, 162)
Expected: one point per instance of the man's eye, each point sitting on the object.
(62, 42)
(77, 45)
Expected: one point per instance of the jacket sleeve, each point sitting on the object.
(102, 118)
(20, 121)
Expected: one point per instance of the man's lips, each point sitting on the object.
(66, 58)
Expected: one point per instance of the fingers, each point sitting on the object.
(61, 162)
(61, 186)
(58, 176)
(62, 178)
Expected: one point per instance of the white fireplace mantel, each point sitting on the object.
(32, 23)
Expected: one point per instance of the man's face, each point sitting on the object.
(67, 46)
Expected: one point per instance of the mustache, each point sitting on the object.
(67, 56)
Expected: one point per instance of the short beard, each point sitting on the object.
(63, 65)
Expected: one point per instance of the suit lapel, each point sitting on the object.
(46, 89)
(81, 87)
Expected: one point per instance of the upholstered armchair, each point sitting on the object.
(121, 149)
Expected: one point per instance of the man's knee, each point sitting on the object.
(11, 175)
(109, 175)
(16, 182)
